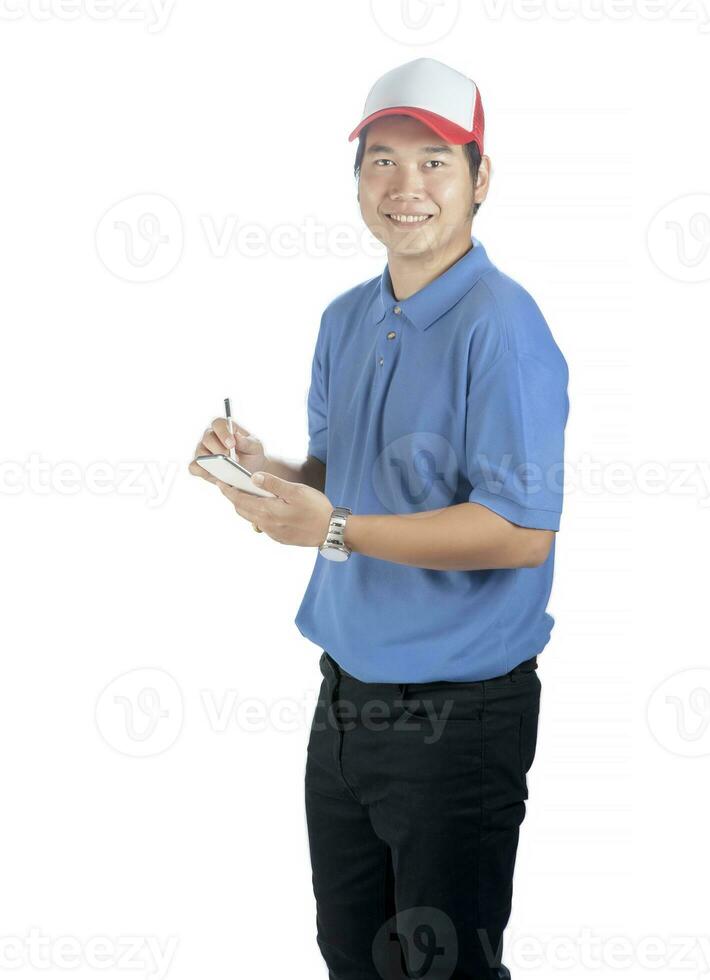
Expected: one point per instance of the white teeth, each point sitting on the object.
(409, 218)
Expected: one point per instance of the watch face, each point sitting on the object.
(334, 554)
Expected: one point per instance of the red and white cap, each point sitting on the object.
(442, 98)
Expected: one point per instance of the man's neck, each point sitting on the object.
(410, 273)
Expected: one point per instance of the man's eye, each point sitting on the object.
(439, 163)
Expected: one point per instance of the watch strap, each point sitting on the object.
(335, 538)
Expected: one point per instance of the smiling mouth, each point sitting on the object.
(409, 224)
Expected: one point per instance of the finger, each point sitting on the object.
(237, 496)
(212, 443)
(244, 503)
(221, 430)
(195, 468)
(202, 450)
(248, 446)
(282, 489)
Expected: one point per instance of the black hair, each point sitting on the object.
(473, 155)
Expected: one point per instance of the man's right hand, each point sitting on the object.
(249, 450)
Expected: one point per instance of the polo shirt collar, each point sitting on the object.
(437, 297)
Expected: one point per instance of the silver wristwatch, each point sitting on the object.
(334, 547)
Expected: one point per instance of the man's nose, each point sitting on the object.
(406, 184)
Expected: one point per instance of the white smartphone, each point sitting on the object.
(226, 470)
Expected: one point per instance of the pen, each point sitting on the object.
(230, 426)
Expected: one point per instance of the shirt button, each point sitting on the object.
(391, 335)
(381, 361)
(398, 309)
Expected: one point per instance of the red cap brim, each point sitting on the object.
(442, 127)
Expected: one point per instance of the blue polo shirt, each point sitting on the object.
(457, 393)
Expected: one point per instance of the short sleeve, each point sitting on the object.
(515, 419)
(318, 403)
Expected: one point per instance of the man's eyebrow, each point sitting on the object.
(381, 148)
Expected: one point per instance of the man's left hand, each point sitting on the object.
(300, 515)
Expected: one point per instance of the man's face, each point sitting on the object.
(408, 170)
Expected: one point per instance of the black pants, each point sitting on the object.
(414, 798)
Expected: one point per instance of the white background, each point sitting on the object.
(118, 353)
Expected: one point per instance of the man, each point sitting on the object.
(436, 413)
